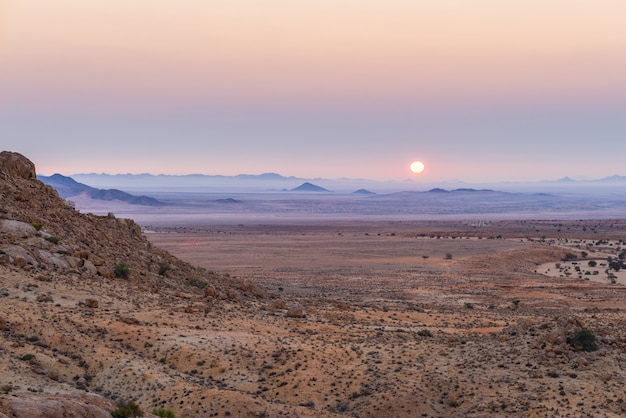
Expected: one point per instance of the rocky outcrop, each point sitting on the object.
(16, 165)
(42, 234)
(27, 405)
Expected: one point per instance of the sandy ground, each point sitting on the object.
(364, 319)
(498, 322)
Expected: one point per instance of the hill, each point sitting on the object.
(68, 188)
(309, 187)
(76, 286)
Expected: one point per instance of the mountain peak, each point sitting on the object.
(309, 187)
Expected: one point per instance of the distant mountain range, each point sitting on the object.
(147, 183)
(68, 187)
(262, 196)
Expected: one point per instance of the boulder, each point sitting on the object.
(90, 267)
(16, 165)
(295, 312)
(105, 272)
(18, 256)
(26, 405)
(17, 229)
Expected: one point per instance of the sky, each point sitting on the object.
(479, 90)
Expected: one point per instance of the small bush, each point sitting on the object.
(164, 268)
(37, 225)
(453, 403)
(448, 256)
(121, 270)
(28, 357)
(424, 333)
(584, 339)
(163, 413)
(516, 302)
(469, 305)
(197, 283)
(592, 263)
(54, 240)
(126, 410)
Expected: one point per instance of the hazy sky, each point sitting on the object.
(480, 90)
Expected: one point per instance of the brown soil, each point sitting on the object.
(422, 318)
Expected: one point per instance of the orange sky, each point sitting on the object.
(248, 58)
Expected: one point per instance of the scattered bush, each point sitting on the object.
(469, 305)
(569, 256)
(516, 302)
(37, 225)
(121, 271)
(126, 410)
(592, 263)
(163, 413)
(584, 340)
(448, 256)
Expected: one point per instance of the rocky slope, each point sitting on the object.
(58, 267)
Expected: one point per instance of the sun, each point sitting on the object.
(416, 167)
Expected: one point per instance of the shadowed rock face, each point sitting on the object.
(16, 165)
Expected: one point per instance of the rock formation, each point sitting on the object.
(14, 164)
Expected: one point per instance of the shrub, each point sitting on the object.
(424, 333)
(126, 410)
(197, 283)
(37, 225)
(54, 240)
(28, 357)
(448, 256)
(592, 263)
(516, 302)
(121, 270)
(569, 256)
(164, 268)
(584, 339)
(163, 413)
(469, 305)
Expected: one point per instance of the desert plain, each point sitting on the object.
(427, 318)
